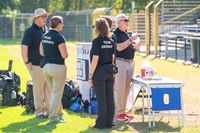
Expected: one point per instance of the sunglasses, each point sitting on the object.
(125, 20)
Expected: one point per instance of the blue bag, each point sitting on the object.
(76, 106)
(93, 107)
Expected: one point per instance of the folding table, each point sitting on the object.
(163, 94)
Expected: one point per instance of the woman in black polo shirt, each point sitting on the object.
(102, 54)
(54, 50)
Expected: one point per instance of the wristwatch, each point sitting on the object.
(26, 62)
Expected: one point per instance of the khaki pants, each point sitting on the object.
(55, 76)
(41, 92)
(122, 84)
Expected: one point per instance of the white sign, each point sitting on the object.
(83, 65)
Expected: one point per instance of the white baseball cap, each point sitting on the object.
(39, 12)
(120, 17)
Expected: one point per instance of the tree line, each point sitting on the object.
(28, 6)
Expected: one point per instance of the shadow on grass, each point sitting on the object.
(159, 127)
(82, 114)
(24, 113)
(33, 125)
(120, 128)
(136, 127)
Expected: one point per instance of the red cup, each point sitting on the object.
(142, 72)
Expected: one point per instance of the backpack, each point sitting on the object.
(68, 94)
(9, 86)
(93, 105)
(76, 105)
(22, 99)
(15, 77)
(30, 108)
(92, 94)
(9, 91)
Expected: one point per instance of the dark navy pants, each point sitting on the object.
(103, 87)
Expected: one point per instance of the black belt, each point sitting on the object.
(126, 60)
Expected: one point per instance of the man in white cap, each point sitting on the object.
(127, 44)
(32, 59)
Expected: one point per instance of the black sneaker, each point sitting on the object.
(97, 127)
(42, 116)
(113, 126)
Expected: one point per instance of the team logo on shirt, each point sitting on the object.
(107, 44)
(47, 39)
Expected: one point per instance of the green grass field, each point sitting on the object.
(15, 119)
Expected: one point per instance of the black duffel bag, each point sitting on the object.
(9, 92)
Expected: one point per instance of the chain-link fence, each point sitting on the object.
(5, 26)
(20, 23)
(77, 24)
(14, 25)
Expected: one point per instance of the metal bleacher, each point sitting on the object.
(178, 19)
(172, 9)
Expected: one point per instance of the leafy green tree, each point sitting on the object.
(72, 5)
(55, 5)
(8, 5)
(28, 6)
(140, 5)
